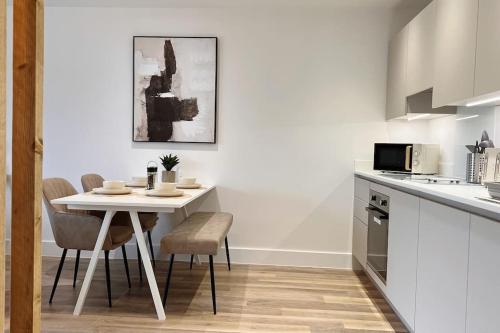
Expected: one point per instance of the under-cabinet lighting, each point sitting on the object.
(418, 117)
(483, 101)
(468, 117)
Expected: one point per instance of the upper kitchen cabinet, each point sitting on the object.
(396, 75)
(454, 65)
(420, 67)
(488, 48)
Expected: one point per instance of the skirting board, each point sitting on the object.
(239, 255)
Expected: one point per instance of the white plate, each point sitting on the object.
(136, 184)
(102, 190)
(156, 193)
(188, 186)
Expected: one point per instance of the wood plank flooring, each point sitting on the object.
(249, 299)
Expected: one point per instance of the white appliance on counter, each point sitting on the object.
(413, 158)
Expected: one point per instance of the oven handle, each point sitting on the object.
(376, 213)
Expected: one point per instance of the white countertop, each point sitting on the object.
(463, 196)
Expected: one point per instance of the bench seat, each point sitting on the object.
(201, 233)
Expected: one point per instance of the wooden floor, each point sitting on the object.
(249, 299)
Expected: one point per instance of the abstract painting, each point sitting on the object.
(175, 89)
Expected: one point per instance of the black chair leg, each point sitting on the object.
(212, 283)
(191, 263)
(108, 280)
(139, 262)
(59, 269)
(169, 274)
(151, 249)
(125, 261)
(227, 255)
(77, 262)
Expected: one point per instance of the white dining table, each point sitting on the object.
(133, 203)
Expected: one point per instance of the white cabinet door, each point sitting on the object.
(396, 76)
(483, 310)
(488, 48)
(456, 28)
(359, 239)
(421, 51)
(402, 253)
(361, 189)
(360, 210)
(443, 252)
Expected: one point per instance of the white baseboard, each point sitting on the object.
(239, 255)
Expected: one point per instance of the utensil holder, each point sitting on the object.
(475, 168)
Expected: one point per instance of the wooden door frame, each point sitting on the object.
(27, 150)
(3, 111)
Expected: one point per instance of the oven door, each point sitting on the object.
(378, 231)
(396, 157)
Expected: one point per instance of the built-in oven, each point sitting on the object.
(378, 233)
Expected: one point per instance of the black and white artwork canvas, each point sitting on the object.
(175, 81)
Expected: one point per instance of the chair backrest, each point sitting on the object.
(91, 181)
(54, 188)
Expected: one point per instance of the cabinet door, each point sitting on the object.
(402, 254)
(488, 48)
(484, 273)
(396, 76)
(442, 269)
(421, 51)
(456, 28)
(361, 189)
(359, 238)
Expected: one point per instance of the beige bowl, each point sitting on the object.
(187, 181)
(165, 187)
(113, 184)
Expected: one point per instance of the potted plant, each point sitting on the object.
(169, 162)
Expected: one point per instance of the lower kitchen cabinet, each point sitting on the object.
(484, 274)
(443, 254)
(402, 254)
(359, 238)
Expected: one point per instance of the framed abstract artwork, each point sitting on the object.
(175, 89)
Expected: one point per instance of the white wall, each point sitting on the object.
(301, 94)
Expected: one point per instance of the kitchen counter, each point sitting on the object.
(463, 196)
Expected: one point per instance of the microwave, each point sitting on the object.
(419, 159)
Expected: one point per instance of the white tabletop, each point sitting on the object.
(137, 200)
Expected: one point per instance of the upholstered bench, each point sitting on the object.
(201, 233)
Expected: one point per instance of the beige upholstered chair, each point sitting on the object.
(148, 220)
(200, 233)
(78, 230)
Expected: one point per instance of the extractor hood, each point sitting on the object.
(419, 106)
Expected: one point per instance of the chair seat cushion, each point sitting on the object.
(148, 220)
(200, 233)
(120, 234)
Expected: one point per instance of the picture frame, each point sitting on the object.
(175, 89)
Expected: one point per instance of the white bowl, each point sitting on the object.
(187, 181)
(165, 187)
(139, 179)
(113, 184)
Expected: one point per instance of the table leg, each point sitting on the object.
(186, 215)
(147, 265)
(93, 261)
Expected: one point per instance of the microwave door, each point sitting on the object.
(393, 157)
